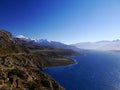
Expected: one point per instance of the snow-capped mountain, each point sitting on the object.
(21, 36)
(56, 44)
(44, 42)
(51, 43)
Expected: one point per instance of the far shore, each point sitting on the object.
(69, 61)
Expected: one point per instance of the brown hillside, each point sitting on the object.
(20, 69)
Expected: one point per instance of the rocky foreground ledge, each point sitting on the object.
(22, 72)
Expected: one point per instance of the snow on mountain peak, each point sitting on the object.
(22, 36)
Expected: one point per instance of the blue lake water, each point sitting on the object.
(97, 70)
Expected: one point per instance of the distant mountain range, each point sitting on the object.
(100, 45)
(45, 42)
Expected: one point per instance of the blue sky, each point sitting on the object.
(67, 21)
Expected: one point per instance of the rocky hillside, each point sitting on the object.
(20, 69)
(8, 45)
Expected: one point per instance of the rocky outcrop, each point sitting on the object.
(20, 69)
(9, 45)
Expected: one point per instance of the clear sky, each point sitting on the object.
(67, 21)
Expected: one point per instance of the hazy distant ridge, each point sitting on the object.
(100, 45)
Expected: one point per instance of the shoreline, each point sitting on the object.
(73, 60)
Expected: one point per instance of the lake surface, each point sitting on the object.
(97, 70)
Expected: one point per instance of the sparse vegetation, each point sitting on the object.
(21, 64)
